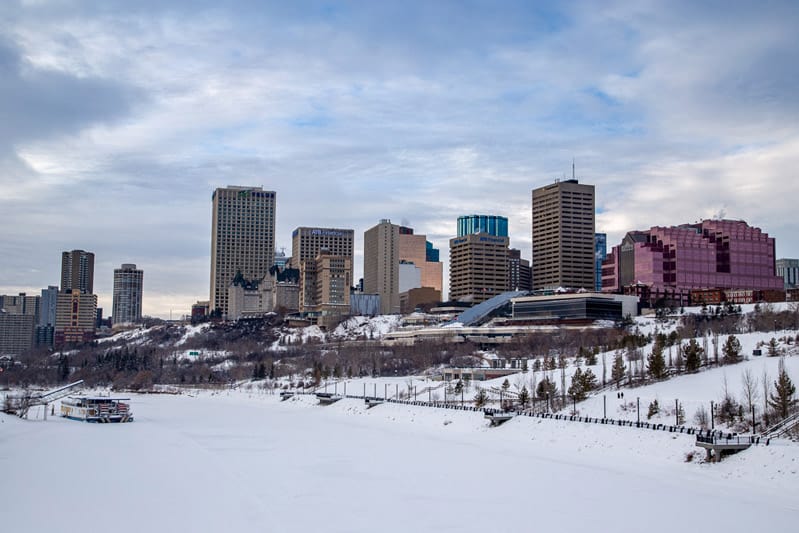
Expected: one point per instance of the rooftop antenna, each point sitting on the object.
(573, 168)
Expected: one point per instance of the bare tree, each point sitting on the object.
(750, 393)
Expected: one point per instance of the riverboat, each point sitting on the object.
(100, 409)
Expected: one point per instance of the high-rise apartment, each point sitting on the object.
(127, 294)
(381, 265)
(478, 267)
(77, 271)
(76, 317)
(563, 236)
(242, 238)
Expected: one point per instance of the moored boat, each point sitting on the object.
(96, 409)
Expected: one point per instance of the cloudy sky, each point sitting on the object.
(118, 119)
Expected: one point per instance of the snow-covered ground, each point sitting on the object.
(244, 461)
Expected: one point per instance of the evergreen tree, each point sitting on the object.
(505, 385)
(524, 396)
(654, 408)
(63, 368)
(693, 356)
(576, 388)
(590, 358)
(772, 347)
(546, 386)
(459, 386)
(588, 381)
(481, 398)
(731, 350)
(782, 399)
(656, 363)
(617, 371)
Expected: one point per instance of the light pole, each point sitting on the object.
(712, 422)
(638, 410)
(604, 407)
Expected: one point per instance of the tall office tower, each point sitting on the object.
(414, 249)
(519, 274)
(77, 271)
(600, 253)
(242, 238)
(76, 317)
(126, 307)
(381, 265)
(306, 246)
(478, 267)
(490, 224)
(563, 236)
(788, 270)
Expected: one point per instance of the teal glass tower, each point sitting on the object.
(492, 224)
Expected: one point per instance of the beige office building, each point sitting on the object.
(413, 249)
(307, 245)
(333, 282)
(478, 267)
(242, 238)
(563, 236)
(381, 265)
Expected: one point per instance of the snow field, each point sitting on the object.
(244, 461)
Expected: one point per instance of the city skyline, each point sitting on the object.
(121, 121)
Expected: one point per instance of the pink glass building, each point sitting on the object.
(666, 263)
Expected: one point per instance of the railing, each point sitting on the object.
(783, 426)
(699, 432)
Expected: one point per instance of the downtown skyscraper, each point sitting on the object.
(563, 236)
(242, 238)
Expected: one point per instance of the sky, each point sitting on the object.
(118, 120)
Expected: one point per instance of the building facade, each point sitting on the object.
(519, 273)
(16, 332)
(333, 284)
(788, 270)
(126, 304)
(664, 264)
(416, 249)
(600, 253)
(489, 224)
(563, 236)
(308, 245)
(77, 271)
(381, 265)
(76, 317)
(478, 267)
(242, 238)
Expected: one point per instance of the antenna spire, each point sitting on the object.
(573, 168)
